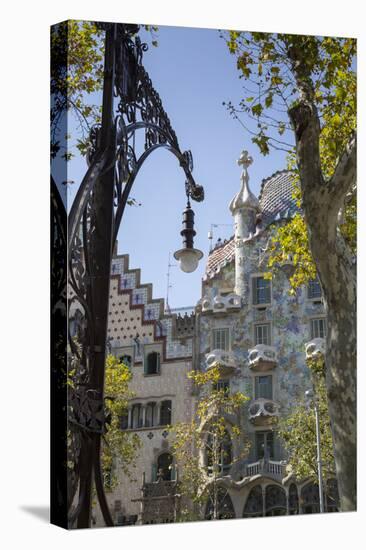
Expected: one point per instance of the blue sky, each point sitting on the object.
(194, 73)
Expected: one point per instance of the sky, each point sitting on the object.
(194, 73)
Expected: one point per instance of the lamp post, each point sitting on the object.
(309, 394)
(188, 256)
(95, 216)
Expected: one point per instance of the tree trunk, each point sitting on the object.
(322, 202)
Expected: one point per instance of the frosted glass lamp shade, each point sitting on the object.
(188, 259)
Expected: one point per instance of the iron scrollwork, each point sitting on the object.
(139, 109)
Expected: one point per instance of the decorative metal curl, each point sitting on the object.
(139, 108)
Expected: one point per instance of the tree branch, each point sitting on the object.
(345, 173)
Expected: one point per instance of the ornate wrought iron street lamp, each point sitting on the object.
(93, 224)
(188, 256)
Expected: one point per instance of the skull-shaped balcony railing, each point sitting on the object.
(262, 358)
(315, 349)
(224, 360)
(221, 304)
(263, 411)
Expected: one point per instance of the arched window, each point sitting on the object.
(223, 503)
(254, 505)
(166, 413)
(152, 363)
(150, 419)
(275, 501)
(293, 500)
(310, 499)
(165, 467)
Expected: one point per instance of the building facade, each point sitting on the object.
(255, 331)
(157, 346)
(258, 333)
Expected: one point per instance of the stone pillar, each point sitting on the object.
(158, 411)
(129, 422)
(264, 500)
(143, 406)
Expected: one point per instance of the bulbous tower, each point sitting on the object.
(244, 208)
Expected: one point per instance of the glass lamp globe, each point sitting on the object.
(188, 258)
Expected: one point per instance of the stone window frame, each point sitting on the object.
(262, 430)
(251, 294)
(151, 348)
(317, 318)
(262, 375)
(256, 324)
(143, 402)
(212, 338)
(311, 298)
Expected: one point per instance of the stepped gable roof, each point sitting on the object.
(275, 197)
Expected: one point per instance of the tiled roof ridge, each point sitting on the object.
(222, 243)
(275, 174)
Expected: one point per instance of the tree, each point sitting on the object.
(203, 446)
(298, 431)
(303, 100)
(76, 78)
(77, 55)
(119, 447)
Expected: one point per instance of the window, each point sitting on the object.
(222, 385)
(262, 334)
(150, 419)
(264, 445)
(126, 360)
(318, 328)
(220, 339)
(137, 416)
(263, 387)
(165, 413)
(165, 467)
(314, 289)
(123, 421)
(152, 363)
(261, 290)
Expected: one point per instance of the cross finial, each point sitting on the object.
(245, 160)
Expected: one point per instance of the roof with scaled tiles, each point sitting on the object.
(276, 202)
(275, 197)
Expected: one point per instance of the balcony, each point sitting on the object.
(262, 358)
(263, 411)
(220, 304)
(223, 359)
(315, 348)
(269, 468)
